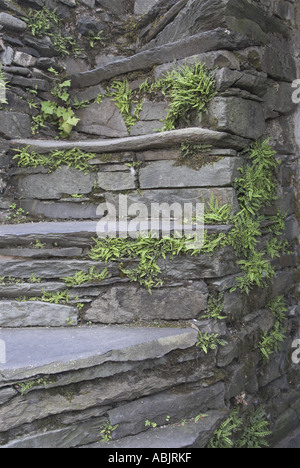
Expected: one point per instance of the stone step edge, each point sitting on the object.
(190, 434)
(33, 352)
(150, 141)
(81, 233)
(207, 41)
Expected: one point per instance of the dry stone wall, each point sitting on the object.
(49, 217)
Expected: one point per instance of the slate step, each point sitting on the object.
(161, 140)
(216, 39)
(58, 387)
(189, 434)
(75, 233)
(35, 351)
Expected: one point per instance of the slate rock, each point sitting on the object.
(103, 119)
(204, 42)
(15, 125)
(52, 186)
(191, 434)
(87, 24)
(242, 117)
(36, 314)
(11, 22)
(143, 6)
(61, 210)
(116, 181)
(126, 304)
(118, 7)
(52, 268)
(241, 17)
(23, 59)
(164, 174)
(7, 56)
(180, 405)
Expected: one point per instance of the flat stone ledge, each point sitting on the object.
(192, 434)
(140, 143)
(204, 42)
(30, 352)
(81, 233)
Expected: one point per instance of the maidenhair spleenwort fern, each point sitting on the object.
(242, 430)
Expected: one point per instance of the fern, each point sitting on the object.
(188, 88)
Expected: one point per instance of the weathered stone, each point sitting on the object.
(12, 6)
(177, 405)
(61, 210)
(7, 394)
(116, 181)
(15, 125)
(102, 119)
(41, 253)
(255, 83)
(32, 83)
(36, 314)
(22, 59)
(143, 6)
(79, 433)
(190, 434)
(212, 60)
(88, 94)
(30, 289)
(241, 17)
(240, 116)
(51, 269)
(52, 186)
(217, 39)
(115, 6)
(126, 304)
(11, 22)
(87, 24)
(150, 198)
(278, 99)
(146, 127)
(146, 142)
(64, 234)
(222, 263)
(42, 45)
(154, 110)
(163, 174)
(7, 56)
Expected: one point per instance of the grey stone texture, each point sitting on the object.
(11, 22)
(164, 174)
(103, 120)
(52, 186)
(32, 314)
(126, 304)
(14, 125)
(60, 384)
(240, 116)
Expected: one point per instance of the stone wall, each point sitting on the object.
(253, 48)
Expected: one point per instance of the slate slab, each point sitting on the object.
(15, 314)
(163, 174)
(125, 304)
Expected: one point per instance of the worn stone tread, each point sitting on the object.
(137, 143)
(190, 434)
(34, 351)
(76, 233)
(206, 41)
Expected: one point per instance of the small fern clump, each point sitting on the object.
(71, 158)
(188, 88)
(249, 430)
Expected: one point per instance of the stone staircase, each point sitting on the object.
(107, 364)
(70, 374)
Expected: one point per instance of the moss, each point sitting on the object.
(196, 156)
